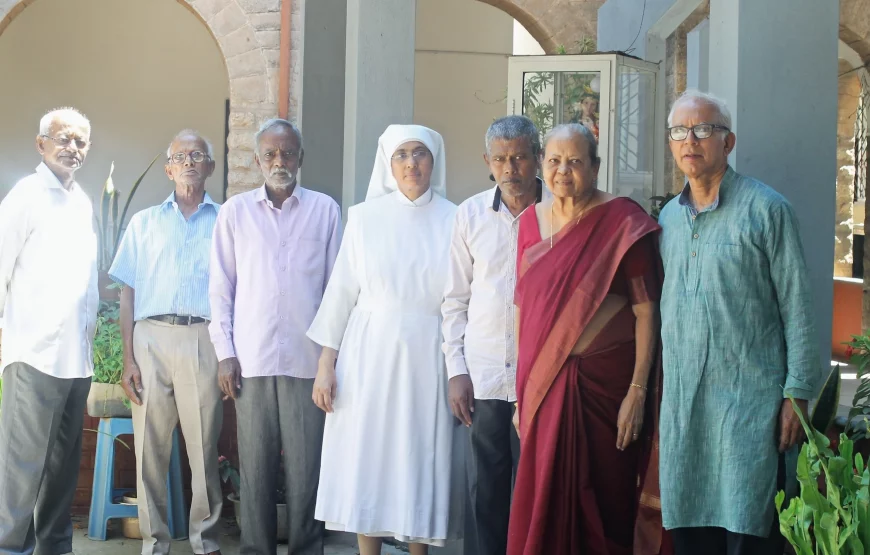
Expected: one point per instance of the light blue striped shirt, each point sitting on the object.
(165, 258)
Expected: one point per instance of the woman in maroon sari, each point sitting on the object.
(587, 381)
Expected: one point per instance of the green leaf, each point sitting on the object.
(829, 399)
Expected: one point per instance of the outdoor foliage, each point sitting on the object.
(838, 520)
(659, 202)
(858, 351)
(110, 224)
(230, 474)
(541, 110)
(108, 351)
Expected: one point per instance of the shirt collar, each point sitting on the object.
(260, 195)
(50, 180)
(685, 198)
(496, 197)
(170, 200)
(424, 199)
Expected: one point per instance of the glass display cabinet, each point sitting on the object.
(615, 96)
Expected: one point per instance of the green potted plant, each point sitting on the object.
(107, 398)
(229, 474)
(110, 226)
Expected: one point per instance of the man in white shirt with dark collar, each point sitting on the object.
(48, 287)
(478, 310)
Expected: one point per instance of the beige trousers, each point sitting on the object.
(179, 382)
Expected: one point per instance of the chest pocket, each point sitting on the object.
(723, 267)
(308, 258)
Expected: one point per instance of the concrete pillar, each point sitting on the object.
(698, 57)
(322, 107)
(776, 66)
(379, 84)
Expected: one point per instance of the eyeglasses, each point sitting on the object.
(62, 141)
(700, 131)
(417, 155)
(196, 156)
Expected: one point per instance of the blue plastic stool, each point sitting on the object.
(103, 506)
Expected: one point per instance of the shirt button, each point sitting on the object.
(283, 317)
(695, 236)
(283, 268)
(693, 217)
(282, 293)
(281, 342)
(508, 365)
(283, 243)
(693, 254)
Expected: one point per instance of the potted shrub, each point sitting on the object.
(107, 398)
(229, 474)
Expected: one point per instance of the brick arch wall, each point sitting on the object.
(554, 23)
(248, 35)
(855, 26)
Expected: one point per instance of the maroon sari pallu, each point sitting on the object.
(575, 492)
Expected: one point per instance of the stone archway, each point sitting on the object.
(248, 35)
(554, 23)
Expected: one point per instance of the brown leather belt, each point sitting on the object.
(177, 320)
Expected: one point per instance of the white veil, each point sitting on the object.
(383, 182)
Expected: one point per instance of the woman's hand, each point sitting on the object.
(630, 420)
(516, 419)
(325, 384)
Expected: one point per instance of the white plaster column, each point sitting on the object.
(698, 57)
(775, 63)
(379, 84)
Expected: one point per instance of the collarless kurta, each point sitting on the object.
(737, 332)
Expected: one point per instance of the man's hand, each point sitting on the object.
(460, 392)
(230, 377)
(790, 425)
(131, 381)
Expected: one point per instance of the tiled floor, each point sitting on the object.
(336, 544)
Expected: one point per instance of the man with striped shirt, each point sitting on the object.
(170, 366)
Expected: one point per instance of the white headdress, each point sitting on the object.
(383, 182)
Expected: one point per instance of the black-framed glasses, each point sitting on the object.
(63, 141)
(180, 157)
(417, 155)
(700, 131)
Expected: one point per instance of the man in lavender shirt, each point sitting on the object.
(272, 254)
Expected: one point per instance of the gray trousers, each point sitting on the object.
(179, 384)
(276, 414)
(40, 451)
(495, 453)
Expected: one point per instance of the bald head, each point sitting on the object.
(189, 160)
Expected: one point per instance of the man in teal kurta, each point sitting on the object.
(738, 334)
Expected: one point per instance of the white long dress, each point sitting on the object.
(386, 462)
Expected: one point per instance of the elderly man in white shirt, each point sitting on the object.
(478, 310)
(48, 287)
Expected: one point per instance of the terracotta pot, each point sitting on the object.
(130, 525)
(107, 401)
(282, 517)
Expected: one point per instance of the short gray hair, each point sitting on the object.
(693, 95)
(65, 113)
(268, 125)
(190, 133)
(509, 128)
(575, 129)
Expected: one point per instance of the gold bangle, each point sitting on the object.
(637, 385)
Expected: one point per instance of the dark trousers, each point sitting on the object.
(495, 452)
(719, 541)
(40, 451)
(274, 414)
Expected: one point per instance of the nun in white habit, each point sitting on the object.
(387, 444)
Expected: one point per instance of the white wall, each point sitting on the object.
(524, 43)
(141, 71)
(462, 50)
